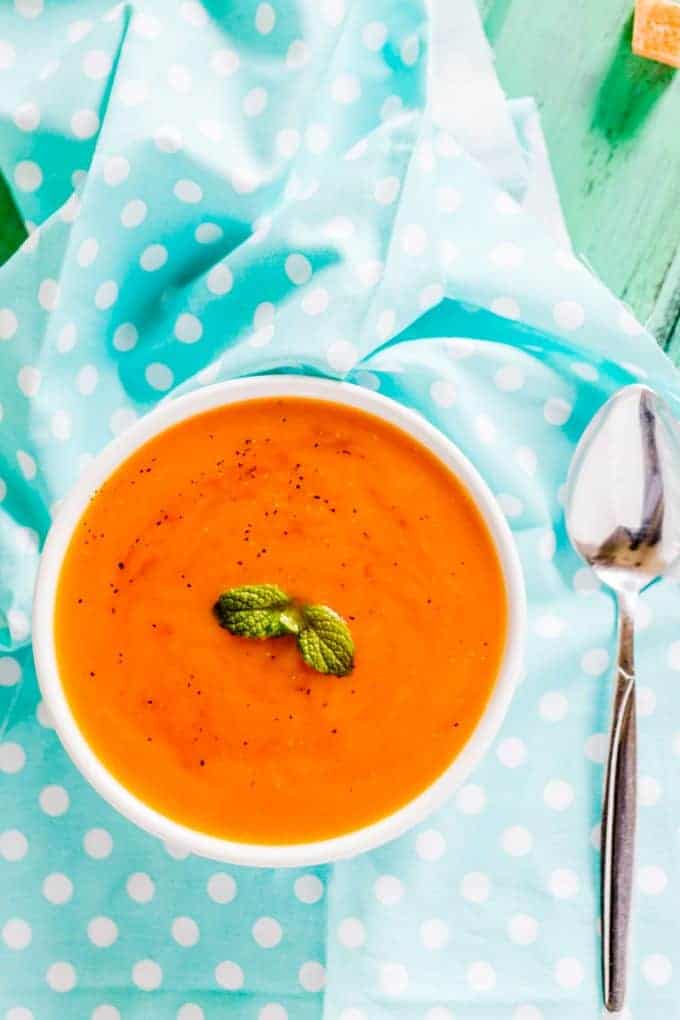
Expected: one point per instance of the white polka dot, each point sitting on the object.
(374, 35)
(410, 50)
(345, 89)
(657, 969)
(481, 976)
(393, 978)
(569, 972)
(265, 18)
(595, 661)
(434, 933)
(145, 25)
(78, 30)
(147, 975)
(568, 315)
(194, 13)
(13, 845)
(188, 191)
(351, 933)
(54, 800)
(116, 170)
(121, 419)
(510, 505)
(430, 296)
(522, 929)
(19, 1013)
(506, 308)
(17, 934)
(315, 301)
(140, 887)
(125, 337)
(185, 931)
(229, 975)
(596, 747)
(96, 64)
(341, 355)
(507, 256)
(526, 459)
(158, 375)
(298, 55)
(485, 428)
(8, 323)
(547, 544)
(267, 932)
(652, 880)
(42, 714)
(222, 888)
(18, 622)
(628, 323)
(585, 581)
(584, 371)
(558, 794)
(557, 411)
(430, 845)
(255, 102)
(87, 379)
(333, 11)
(87, 252)
(188, 328)
(29, 379)
(61, 976)
(517, 841)
(475, 887)
(298, 268)
(386, 190)
(550, 626)
(272, 1011)
(527, 1012)
(208, 233)
(649, 791)
(133, 213)
(102, 932)
(509, 378)
(153, 257)
(7, 55)
(84, 124)
(29, 8)
(413, 239)
(12, 757)
(317, 138)
(177, 852)
(471, 799)
(168, 139)
(506, 205)
(386, 324)
(225, 62)
(448, 199)
(132, 91)
(308, 888)
(563, 883)
(646, 700)
(312, 976)
(388, 890)
(512, 752)
(106, 295)
(27, 116)
(673, 655)
(98, 843)
(49, 294)
(28, 176)
(57, 888)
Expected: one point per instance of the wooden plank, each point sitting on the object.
(611, 123)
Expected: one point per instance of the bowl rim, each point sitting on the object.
(175, 834)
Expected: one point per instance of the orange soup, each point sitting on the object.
(238, 737)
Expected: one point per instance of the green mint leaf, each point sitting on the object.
(257, 611)
(325, 641)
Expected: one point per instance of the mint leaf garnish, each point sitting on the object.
(325, 641)
(266, 611)
(256, 611)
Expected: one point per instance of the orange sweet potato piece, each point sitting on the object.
(656, 33)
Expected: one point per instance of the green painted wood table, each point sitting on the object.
(612, 122)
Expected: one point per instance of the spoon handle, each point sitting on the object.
(618, 817)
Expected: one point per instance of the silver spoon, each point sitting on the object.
(623, 518)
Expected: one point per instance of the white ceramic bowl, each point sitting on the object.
(120, 449)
